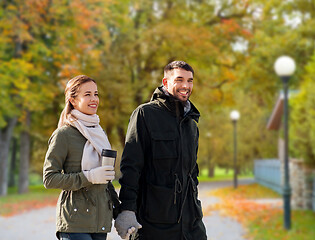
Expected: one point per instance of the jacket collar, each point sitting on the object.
(173, 105)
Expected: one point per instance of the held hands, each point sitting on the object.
(126, 224)
(100, 175)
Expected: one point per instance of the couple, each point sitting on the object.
(158, 197)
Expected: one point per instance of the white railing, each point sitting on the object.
(268, 173)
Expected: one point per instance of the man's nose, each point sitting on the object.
(185, 84)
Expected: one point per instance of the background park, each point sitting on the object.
(124, 45)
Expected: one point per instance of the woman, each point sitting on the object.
(73, 163)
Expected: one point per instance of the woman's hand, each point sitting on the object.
(100, 175)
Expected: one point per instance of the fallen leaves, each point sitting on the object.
(13, 208)
(241, 203)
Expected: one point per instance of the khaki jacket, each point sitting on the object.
(82, 206)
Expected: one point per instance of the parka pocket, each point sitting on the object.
(160, 207)
(77, 211)
(198, 207)
(197, 202)
(164, 145)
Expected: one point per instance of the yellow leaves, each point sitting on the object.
(68, 71)
(262, 219)
(12, 208)
(11, 7)
(17, 70)
(242, 204)
(40, 6)
(252, 191)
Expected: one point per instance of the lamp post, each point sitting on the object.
(235, 115)
(285, 67)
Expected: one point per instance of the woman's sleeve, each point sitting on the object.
(53, 174)
(115, 200)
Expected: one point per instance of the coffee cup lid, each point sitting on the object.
(109, 153)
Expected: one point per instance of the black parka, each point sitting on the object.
(159, 170)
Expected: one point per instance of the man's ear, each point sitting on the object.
(164, 81)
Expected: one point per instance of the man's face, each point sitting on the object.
(179, 83)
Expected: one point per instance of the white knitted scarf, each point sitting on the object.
(89, 127)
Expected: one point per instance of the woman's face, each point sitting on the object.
(87, 99)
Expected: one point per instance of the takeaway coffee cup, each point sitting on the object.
(108, 157)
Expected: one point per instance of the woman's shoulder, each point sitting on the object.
(63, 132)
(66, 129)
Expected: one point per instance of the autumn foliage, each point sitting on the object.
(260, 212)
(241, 204)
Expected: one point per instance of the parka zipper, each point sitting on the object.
(189, 179)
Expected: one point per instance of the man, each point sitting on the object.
(159, 170)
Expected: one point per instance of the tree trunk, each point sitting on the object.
(24, 156)
(122, 135)
(211, 171)
(5, 139)
(13, 163)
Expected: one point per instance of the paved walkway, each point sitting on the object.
(40, 224)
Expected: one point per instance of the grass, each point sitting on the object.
(263, 221)
(302, 227)
(220, 175)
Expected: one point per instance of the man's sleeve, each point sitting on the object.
(132, 160)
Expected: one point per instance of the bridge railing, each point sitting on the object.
(268, 173)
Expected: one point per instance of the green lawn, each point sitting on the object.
(302, 227)
(220, 175)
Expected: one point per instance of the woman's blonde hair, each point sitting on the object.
(71, 91)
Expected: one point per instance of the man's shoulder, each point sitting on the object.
(149, 106)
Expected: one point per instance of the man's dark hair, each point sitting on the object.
(178, 64)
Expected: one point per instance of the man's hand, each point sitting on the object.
(126, 224)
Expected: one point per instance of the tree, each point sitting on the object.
(37, 48)
(302, 118)
(124, 45)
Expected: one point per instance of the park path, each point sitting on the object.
(40, 224)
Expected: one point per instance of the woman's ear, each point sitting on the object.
(72, 101)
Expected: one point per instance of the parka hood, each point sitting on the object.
(172, 104)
